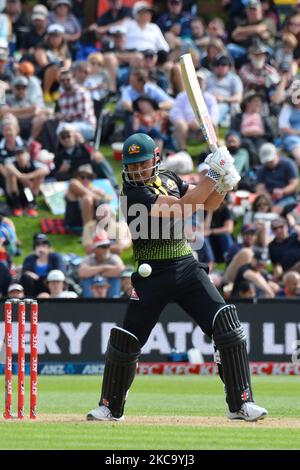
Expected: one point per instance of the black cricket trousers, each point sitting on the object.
(184, 281)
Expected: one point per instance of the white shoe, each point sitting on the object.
(249, 412)
(102, 413)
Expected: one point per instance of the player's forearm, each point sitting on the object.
(213, 201)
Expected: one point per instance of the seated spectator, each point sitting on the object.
(284, 249)
(183, 117)
(115, 15)
(76, 106)
(292, 25)
(72, 153)
(255, 272)
(117, 230)
(253, 25)
(80, 72)
(56, 283)
(227, 88)
(261, 214)
(199, 36)
(247, 290)
(257, 73)
(289, 125)
(8, 235)
(51, 55)
(284, 53)
(98, 81)
(141, 33)
(278, 177)
(15, 291)
(148, 118)
(26, 69)
(215, 48)
(238, 151)
(126, 285)
(24, 178)
(167, 75)
(100, 287)
(6, 75)
(255, 129)
(291, 285)
(216, 29)
(219, 229)
(101, 262)
(24, 108)
(82, 199)
(37, 30)
(37, 265)
(175, 24)
(10, 142)
(139, 85)
(62, 15)
(19, 23)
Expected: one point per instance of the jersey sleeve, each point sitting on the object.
(182, 185)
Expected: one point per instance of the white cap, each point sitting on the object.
(267, 153)
(15, 286)
(55, 275)
(140, 6)
(55, 28)
(65, 126)
(39, 12)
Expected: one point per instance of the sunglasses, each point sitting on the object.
(85, 177)
(20, 87)
(94, 62)
(65, 136)
(276, 228)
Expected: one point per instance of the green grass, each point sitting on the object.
(155, 396)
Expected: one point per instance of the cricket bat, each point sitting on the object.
(197, 102)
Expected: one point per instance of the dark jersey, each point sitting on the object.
(155, 238)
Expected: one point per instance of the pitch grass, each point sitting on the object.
(154, 396)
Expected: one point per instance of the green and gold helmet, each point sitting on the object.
(139, 148)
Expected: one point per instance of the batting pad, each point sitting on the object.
(121, 358)
(230, 341)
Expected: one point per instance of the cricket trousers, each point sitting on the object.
(183, 281)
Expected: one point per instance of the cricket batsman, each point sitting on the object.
(175, 276)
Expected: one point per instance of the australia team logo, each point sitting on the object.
(134, 149)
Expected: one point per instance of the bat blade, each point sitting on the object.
(196, 100)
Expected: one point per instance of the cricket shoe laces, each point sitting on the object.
(102, 413)
(248, 412)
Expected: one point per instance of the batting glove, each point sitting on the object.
(227, 182)
(220, 163)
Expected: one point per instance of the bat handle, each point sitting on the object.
(213, 148)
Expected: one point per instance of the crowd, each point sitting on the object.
(57, 73)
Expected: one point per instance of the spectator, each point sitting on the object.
(6, 75)
(182, 115)
(82, 199)
(24, 179)
(255, 25)
(141, 33)
(63, 16)
(289, 125)
(37, 30)
(126, 285)
(238, 151)
(101, 262)
(293, 26)
(26, 69)
(270, 11)
(76, 106)
(215, 48)
(255, 272)
(10, 142)
(56, 283)
(284, 249)
(227, 88)
(219, 229)
(176, 25)
(37, 265)
(80, 72)
(100, 287)
(284, 53)
(117, 230)
(20, 23)
(139, 85)
(291, 285)
(15, 291)
(73, 153)
(254, 127)
(148, 118)
(257, 73)
(23, 106)
(278, 177)
(51, 55)
(8, 235)
(98, 80)
(115, 15)
(199, 37)
(216, 29)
